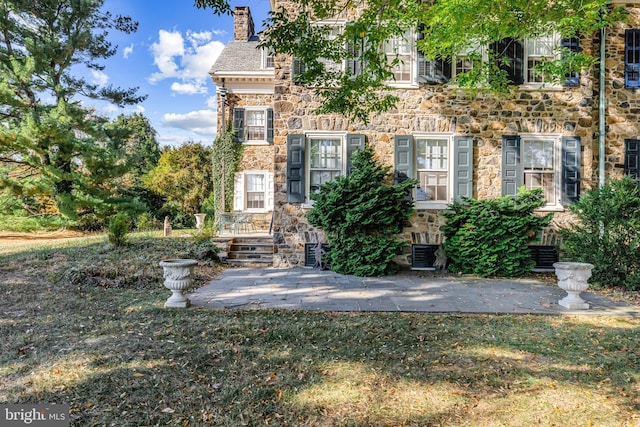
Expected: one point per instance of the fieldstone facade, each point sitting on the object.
(563, 111)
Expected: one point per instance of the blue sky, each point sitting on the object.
(168, 58)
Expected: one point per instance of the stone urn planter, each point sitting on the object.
(200, 220)
(177, 278)
(572, 277)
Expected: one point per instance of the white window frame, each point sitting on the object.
(308, 136)
(336, 26)
(267, 60)
(556, 203)
(240, 191)
(435, 204)
(530, 54)
(408, 39)
(247, 111)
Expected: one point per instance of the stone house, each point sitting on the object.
(564, 139)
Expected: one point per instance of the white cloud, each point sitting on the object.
(187, 61)
(212, 102)
(201, 122)
(99, 78)
(188, 88)
(127, 51)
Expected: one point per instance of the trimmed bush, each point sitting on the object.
(607, 234)
(360, 214)
(490, 237)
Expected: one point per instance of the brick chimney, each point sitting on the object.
(242, 24)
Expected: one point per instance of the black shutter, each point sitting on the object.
(269, 124)
(632, 158)
(403, 158)
(571, 44)
(510, 56)
(295, 168)
(355, 141)
(571, 160)
(238, 123)
(512, 173)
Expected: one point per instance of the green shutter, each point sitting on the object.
(269, 124)
(571, 44)
(632, 158)
(238, 123)
(571, 155)
(462, 167)
(355, 141)
(403, 158)
(295, 168)
(512, 173)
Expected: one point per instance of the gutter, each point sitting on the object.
(602, 110)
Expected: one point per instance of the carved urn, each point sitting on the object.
(573, 277)
(177, 278)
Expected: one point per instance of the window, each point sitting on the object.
(317, 158)
(538, 51)
(253, 124)
(632, 58)
(442, 164)
(325, 160)
(432, 160)
(549, 162)
(267, 59)
(253, 191)
(400, 53)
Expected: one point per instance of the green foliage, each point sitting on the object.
(227, 154)
(450, 28)
(607, 233)
(183, 178)
(52, 145)
(490, 237)
(360, 213)
(118, 229)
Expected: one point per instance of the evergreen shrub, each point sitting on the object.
(361, 213)
(607, 234)
(118, 229)
(490, 237)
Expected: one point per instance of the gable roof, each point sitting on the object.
(238, 56)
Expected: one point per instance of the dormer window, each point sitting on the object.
(267, 59)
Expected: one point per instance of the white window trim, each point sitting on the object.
(307, 161)
(412, 83)
(426, 204)
(264, 56)
(268, 201)
(557, 167)
(557, 41)
(248, 141)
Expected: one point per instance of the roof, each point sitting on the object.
(238, 56)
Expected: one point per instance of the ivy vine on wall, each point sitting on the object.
(227, 153)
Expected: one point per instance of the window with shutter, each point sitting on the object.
(571, 44)
(632, 58)
(317, 158)
(253, 191)
(442, 164)
(400, 52)
(548, 162)
(509, 54)
(253, 125)
(632, 158)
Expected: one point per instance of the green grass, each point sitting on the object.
(85, 325)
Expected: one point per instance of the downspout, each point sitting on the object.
(602, 110)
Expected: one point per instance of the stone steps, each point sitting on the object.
(249, 251)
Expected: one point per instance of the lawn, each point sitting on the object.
(84, 325)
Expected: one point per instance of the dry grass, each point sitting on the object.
(84, 325)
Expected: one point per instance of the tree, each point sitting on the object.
(183, 177)
(448, 28)
(361, 214)
(53, 146)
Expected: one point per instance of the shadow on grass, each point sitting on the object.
(118, 358)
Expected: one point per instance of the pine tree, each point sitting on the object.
(51, 145)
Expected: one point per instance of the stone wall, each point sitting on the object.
(563, 111)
